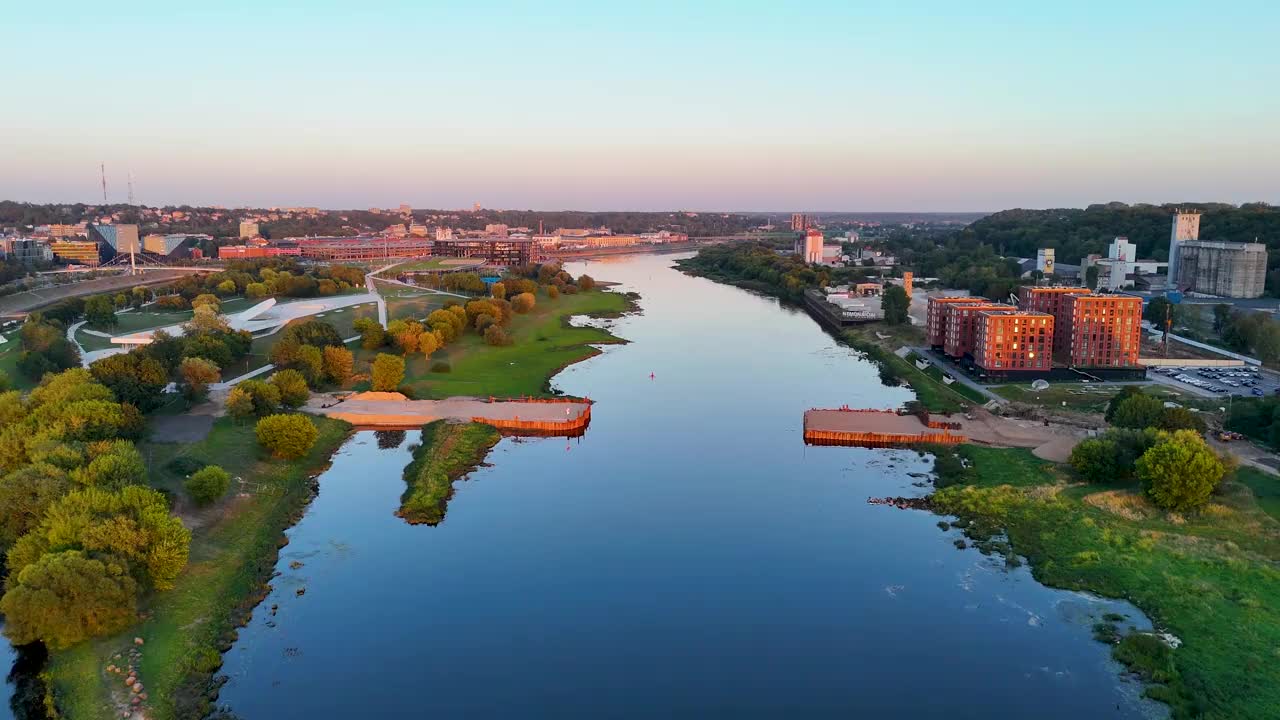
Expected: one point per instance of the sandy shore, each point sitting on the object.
(386, 409)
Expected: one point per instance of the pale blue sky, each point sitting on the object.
(654, 105)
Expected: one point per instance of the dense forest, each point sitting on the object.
(1075, 233)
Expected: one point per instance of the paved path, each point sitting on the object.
(251, 374)
(960, 377)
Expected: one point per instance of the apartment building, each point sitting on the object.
(1009, 342)
(1105, 331)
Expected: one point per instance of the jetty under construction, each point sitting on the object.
(560, 417)
(878, 428)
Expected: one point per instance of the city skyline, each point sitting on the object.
(818, 106)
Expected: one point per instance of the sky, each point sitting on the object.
(800, 105)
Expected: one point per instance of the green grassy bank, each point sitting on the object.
(542, 343)
(233, 552)
(1211, 578)
(448, 451)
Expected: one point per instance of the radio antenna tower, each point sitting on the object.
(102, 168)
(130, 187)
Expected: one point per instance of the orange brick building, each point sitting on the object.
(1052, 300)
(936, 318)
(1104, 331)
(1012, 341)
(961, 321)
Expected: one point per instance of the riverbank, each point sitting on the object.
(233, 550)
(1210, 578)
(543, 342)
(448, 451)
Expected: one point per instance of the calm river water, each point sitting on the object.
(689, 557)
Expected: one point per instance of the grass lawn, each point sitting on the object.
(435, 264)
(9, 353)
(930, 391)
(1210, 577)
(232, 552)
(1082, 398)
(542, 344)
(1265, 487)
(448, 451)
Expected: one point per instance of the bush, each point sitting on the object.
(1180, 471)
(338, 364)
(292, 387)
(441, 366)
(1178, 418)
(1138, 411)
(287, 436)
(208, 484)
(185, 466)
(66, 597)
(495, 335)
(523, 303)
(388, 372)
(586, 282)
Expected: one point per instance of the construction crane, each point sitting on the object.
(102, 170)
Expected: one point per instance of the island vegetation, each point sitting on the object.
(447, 452)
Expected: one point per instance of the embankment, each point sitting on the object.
(448, 451)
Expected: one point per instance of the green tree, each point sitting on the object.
(1139, 411)
(553, 292)
(388, 372)
(207, 300)
(586, 282)
(498, 290)
(240, 404)
(339, 364)
(287, 436)
(1126, 392)
(132, 523)
(25, 495)
(256, 290)
(1095, 460)
(1091, 277)
(372, 335)
(895, 302)
(226, 287)
(1221, 317)
(67, 597)
(1156, 309)
(133, 377)
(113, 465)
(265, 396)
(208, 484)
(100, 311)
(313, 332)
(197, 375)
(1179, 418)
(292, 387)
(1180, 471)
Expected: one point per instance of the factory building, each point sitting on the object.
(809, 246)
(495, 251)
(1224, 269)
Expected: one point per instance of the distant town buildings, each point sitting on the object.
(809, 246)
(417, 230)
(800, 222)
(1044, 260)
(496, 230)
(248, 229)
(78, 252)
(121, 238)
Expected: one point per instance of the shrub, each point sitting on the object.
(208, 484)
(495, 335)
(553, 292)
(338, 364)
(292, 387)
(184, 465)
(523, 303)
(441, 366)
(388, 372)
(586, 282)
(287, 436)
(1180, 471)
(1179, 418)
(1138, 411)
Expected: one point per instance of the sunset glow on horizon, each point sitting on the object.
(723, 106)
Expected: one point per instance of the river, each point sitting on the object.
(688, 557)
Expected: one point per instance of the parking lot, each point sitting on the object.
(1245, 381)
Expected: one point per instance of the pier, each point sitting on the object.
(877, 428)
(559, 417)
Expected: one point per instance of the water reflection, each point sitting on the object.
(691, 557)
